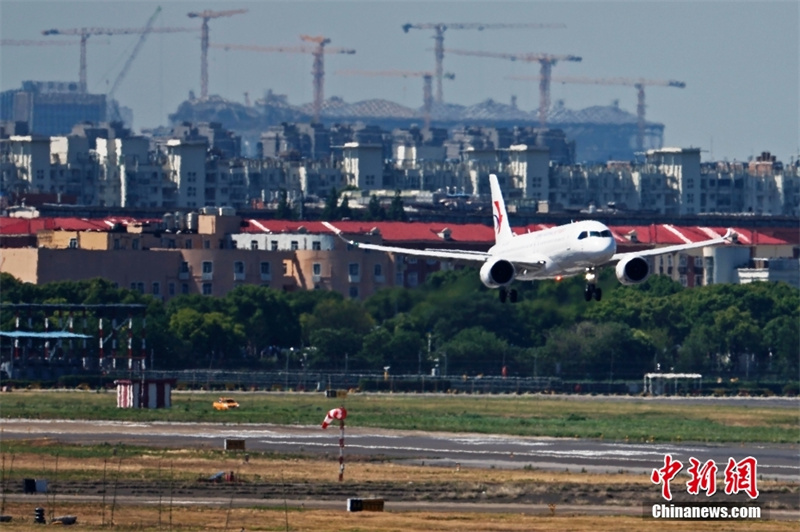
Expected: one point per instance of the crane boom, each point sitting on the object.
(318, 52)
(206, 16)
(441, 27)
(143, 37)
(85, 33)
(638, 83)
(546, 62)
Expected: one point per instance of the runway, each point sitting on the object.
(775, 461)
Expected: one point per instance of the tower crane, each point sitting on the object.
(638, 83)
(440, 27)
(143, 37)
(427, 88)
(546, 62)
(318, 52)
(85, 33)
(28, 42)
(206, 16)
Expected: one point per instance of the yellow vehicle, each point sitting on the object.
(225, 403)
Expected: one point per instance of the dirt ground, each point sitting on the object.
(172, 492)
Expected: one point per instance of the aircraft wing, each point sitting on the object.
(447, 254)
(727, 238)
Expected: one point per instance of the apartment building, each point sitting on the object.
(193, 169)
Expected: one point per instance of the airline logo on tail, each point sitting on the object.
(498, 218)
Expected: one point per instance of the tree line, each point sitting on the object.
(454, 323)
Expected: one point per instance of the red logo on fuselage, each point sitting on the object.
(498, 217)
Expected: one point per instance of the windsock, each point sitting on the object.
(335, 413)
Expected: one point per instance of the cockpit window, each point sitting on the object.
(606, 233)
(594, 233)
(582, 235)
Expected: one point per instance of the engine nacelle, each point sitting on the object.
(496, 273)
(633, 270)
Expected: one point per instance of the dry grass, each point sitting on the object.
(90, 517)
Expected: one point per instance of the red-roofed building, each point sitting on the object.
(217, 253)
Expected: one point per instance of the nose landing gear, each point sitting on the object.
(591, 289)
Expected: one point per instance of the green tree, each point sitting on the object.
(266, 317)
(375, 211)
(284, 210)
(206, 340)
(344, 210)
(396, 210)
(331, 210)
(476, 351)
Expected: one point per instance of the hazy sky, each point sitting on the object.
(740, 60)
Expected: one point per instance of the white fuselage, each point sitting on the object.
(566, 250)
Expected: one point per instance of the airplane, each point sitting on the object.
(563, 251)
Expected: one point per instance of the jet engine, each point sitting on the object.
(633, 270)
(497, 272)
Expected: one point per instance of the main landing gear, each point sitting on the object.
(592, 289)
(511, 295)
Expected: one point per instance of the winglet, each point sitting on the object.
(338, 232)
(502, 229)
(333, 228)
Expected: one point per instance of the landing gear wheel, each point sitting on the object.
(588, 292)
(503, 294)
(598, 293)
(512, 296)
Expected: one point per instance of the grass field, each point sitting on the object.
(548, 497)
(169, 480)
(526, 415)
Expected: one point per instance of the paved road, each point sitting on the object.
(775, 461)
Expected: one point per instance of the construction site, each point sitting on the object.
(599, 133)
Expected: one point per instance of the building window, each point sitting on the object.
(238, 270)
(353, 268)
(207, 244)
(316, 246)
(171, 289)
(73, 243)
(188, 243)
(412, 279)
(411, 260)
(135, 244)
(206, 289)
(354, 291)
(316, 268)
(184, 288)
(116, 243)
(294, 245)
(254, 244)
(273, 244)
(208, 270)
(266, 271)
(156, 289)
(140, 287)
